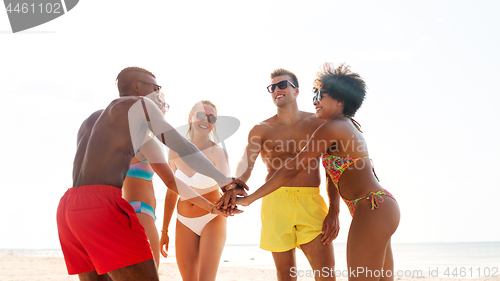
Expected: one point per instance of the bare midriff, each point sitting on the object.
(135, 189)
(189, 210)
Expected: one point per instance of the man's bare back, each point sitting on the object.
(112, 242)
(109, 149)
(82, 140)
(97, 227)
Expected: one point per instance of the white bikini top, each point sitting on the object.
(197, 180)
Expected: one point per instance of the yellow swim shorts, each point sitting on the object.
(291, 216)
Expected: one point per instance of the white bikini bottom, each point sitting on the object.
(196, 224)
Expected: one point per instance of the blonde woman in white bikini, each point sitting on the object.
(138, 185)
(200, 236)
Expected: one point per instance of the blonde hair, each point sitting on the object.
(213, 132)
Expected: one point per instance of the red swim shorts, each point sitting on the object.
(99, 230)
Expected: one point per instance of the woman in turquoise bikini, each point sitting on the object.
(375, 214)
(138, 186)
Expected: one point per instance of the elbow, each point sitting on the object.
(171, 200)
(170, 183)
(171, 197)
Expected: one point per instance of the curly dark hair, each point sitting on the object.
(343, 85)
(281, 71)
(126, 77)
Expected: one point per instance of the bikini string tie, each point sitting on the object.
(374, 200)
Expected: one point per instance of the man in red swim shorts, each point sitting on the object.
(100, 234)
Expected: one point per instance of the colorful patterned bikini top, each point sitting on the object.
(336, 165)
(141, 170)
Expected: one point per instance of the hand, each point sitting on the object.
(243, 201)
(233, 182)
(226, 213)
(164, 241)
(230, 197)
(330, 230)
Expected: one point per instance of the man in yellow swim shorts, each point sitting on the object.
(294, 215)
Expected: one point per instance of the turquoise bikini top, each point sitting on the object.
(141, 170)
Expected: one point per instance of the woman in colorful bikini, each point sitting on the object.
(138, 186)
(375, 214)
(200, 236)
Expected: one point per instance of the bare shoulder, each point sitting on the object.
(122, 103)
(270, 120)
(90, 121)
(217, 149)
(215, 153)
(336, 128)
(263, 127)
(94, 116)
(88, 124)
(311, 120)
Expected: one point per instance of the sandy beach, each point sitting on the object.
(36, 268)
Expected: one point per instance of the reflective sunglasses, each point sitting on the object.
(282, 85)
(202, 115)
(318, 95)
(157, 87)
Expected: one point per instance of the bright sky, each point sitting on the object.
(431, 68)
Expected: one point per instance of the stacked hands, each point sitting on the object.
(234, 193)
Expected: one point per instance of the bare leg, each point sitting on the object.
(187, 246)
(212, 243)
(152, 233)
(369, 237)
(93, 276)
(284, 262)
(320, 257)
(145, 270)
(388, 264)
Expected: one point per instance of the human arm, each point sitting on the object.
(244, 168)
(168, 210)
(144, 110)
(318, 143)
(175, 187)
(252, 150)
(331, 224)
(157, 160)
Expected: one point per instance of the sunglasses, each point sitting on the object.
(161, 105)
(282, 85)
(202, 115)
(318, 95)
(157, 87)
(159, 101)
